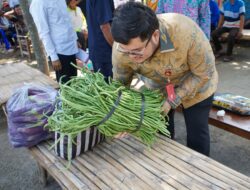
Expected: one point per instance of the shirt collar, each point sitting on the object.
(166, 45)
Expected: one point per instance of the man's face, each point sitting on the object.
(18, 11)
(138, 50)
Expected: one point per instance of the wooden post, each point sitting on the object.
(37, 46)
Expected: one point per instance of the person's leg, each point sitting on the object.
(216, 35)
(196, 119)
(10, 39)
(67, 69)
(170, 126)
(231, 40)
(5, 40)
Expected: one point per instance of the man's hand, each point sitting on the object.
(239, 35)
(166, 107)
(57, 66)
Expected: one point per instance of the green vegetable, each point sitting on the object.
(85, 101)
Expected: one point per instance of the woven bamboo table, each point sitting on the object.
(127, 164)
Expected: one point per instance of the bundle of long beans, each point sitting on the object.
(89, 101)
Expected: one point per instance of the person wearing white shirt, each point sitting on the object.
(57, 34)
(78, 21)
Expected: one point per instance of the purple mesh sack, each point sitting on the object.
(27, 111)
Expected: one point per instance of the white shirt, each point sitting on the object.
(54, 27)
(13, 3)
(4, 21)
(78, 19)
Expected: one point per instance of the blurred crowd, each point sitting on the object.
(11, 24)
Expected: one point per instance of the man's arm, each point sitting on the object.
(106, 30)
(104, 16)
(242, 12)
(9, 14)
(242, 21)
(221, 21)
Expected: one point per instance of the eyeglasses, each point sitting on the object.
(133, 52)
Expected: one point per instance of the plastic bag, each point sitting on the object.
(231, 102)
(27, 111)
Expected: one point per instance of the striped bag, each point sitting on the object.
(86, 140)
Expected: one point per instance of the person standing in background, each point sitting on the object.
(198, 11)
(82, 5)
(78, 22)
(100, 40)
(57, 34)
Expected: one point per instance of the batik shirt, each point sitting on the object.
(197, 10)
(185, 52)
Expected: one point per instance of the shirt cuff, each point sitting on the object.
(54, 57)
(175, 103)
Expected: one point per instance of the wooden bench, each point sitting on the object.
(25, 46)
(234, 123)
(245, 35)
(128, 164)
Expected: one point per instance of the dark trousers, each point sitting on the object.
(230, 40)
(103, 67)
(67, 69)
(196, 120)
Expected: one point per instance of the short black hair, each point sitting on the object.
(131, 20)
(16, 6)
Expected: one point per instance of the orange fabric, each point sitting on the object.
(152, 4)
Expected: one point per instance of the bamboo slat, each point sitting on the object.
(77, 183)
(207, 159)
(128, 164)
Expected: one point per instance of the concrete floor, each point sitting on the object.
(19, 171)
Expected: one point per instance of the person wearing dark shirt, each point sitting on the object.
(100, 40)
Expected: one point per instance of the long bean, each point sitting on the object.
(85, 101)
